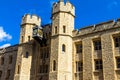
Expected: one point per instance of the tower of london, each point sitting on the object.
(57, 51)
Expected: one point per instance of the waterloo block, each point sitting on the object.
(57, 51)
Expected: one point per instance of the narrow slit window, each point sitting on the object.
(18, 71)
(27, 55)
(10, 59)
(0, 74)
(2, 60)
(54, 65)
(56, 30)
(64, 29)
(63, 48)
(22, 39)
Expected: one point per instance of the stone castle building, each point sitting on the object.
(58, 52)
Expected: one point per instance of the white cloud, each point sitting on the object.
(5, 45)
(3, 35)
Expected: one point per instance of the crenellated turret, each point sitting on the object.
(63, 7)
(31, 19)
(63, 15)
(28, 22)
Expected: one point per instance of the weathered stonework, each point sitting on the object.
(55, 57)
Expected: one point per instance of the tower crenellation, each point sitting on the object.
(31, 19)
(28, 22)
(63, 7)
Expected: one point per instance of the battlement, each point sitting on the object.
(31, 19)
(63, 7)
(97, 28)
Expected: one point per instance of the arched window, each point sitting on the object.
(2, 60)
(28, 38)
(56, 30)
(64, 29)
(54, 65)
(63, 48)
(26, 55)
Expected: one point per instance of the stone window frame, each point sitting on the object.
(116, 41)
(55, 30)
(18, 69)
(44, 52)
(64, 29)
(54, 65)
(63, 48)
(28, 38)
(79, 48)
(46, 68)
(79, 66)
(2, 60)
(10, 59)
(22, 39)
(8, 74)
(43, 68)
(117, 62)
(97, 44)
(27, 54)
(1, 73)
(98, 64)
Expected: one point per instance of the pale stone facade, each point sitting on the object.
(7, 62)
(91, 53)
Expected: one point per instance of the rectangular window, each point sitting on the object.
(43, 69)
(117, 41)
(2, 60)
(8, 75)
(18, 70)
(40, 69)
(10, 59)
(22, 39)
(0, 74)
(98, 64)
(46, 70)
(118, 62)
(28, 38)
(79, 48)
(47, 52)
(97, 45)
(64, 29)
(56, 30)
(44, 53)
(26, 55)
(41, 53)
(79, 66)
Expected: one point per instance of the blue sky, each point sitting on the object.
(88, 12)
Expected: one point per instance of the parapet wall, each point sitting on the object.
(97, 27)
(31, 19)
(9, 49)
